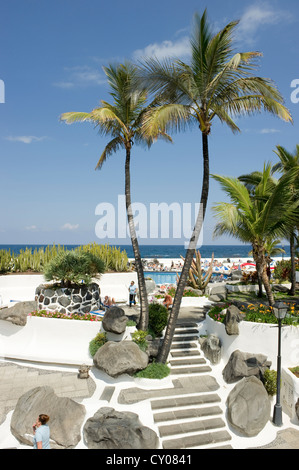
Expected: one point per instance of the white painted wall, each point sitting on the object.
(258, 338)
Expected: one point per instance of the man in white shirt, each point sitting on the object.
(132, 291)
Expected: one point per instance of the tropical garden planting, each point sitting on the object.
(152, 100)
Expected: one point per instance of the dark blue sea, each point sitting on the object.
(167, 251)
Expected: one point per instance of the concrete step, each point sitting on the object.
(184, 338)
(191, 426)
(185, 413)
(197, 440)
(187, 361)
(186, 325)
(183, 346)
(190, 370)
(186, 353)
(189, 400)
(182, 331)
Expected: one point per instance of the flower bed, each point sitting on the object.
(257, 313)
(65, 316)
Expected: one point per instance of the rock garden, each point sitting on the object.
(236, 331)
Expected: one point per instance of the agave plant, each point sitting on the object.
(198, 278)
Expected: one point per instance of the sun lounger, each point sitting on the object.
(100, 313)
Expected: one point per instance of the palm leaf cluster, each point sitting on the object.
(261, 210)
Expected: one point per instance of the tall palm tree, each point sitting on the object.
(256, 216)
(287, 162)
(251, 181)
(122, 120)
(217, 83)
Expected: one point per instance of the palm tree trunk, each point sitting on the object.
(261, 266)
(164, 351)
(143, 320)
(293, 265)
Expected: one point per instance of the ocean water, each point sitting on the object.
(167, 251)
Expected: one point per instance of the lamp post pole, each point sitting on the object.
(277, 415)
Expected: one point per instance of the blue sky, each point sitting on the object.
(52, 54)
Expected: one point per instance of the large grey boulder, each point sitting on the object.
(116, 358)
(115, 320)
(18, 313)
(217, 293)
(248, 407)
(211, 346)
(243, 364)
(232, 318)
(110, 429)
(66, 417)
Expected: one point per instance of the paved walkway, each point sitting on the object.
(178, 425)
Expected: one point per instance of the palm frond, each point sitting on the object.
(112, 147)
(161, 118)
(237, 192)
(72, 117)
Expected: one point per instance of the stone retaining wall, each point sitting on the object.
(82, 299)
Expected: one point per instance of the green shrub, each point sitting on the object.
(270, 381)
(71, 268)
(139, 338)
(155, 370)
(158, 318)
(97, 342)
(283, 269)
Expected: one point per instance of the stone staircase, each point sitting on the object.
(192, 418)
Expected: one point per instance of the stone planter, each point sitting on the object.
(67, 300)
(289, 392)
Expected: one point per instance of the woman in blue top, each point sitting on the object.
(41, 431)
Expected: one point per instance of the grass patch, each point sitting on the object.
(155, 370)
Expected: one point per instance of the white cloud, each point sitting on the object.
(26, 139)
(179, 48)
(31, 227)
(69, 226)
(81, 76)
(258, 15)
(269, 131)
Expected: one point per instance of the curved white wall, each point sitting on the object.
(258, 338)
(48, 340)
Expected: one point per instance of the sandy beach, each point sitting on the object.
(20, 288)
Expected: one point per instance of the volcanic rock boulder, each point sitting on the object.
(116, 358)
(115, 320)
(110, 429)
(248, 407)
(211, 346)
(18, 313)
(232, 318)
(243, 364)
(66, 417)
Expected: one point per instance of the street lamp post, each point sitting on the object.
(280, 311)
